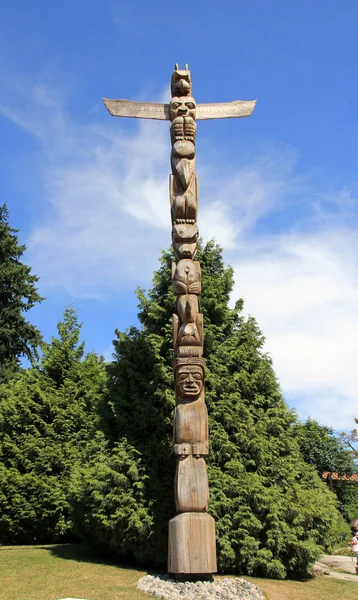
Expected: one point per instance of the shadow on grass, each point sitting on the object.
(303, 577)
(88, 554)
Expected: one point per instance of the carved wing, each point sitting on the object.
(150, 110)
(225, 110)
(141, 110)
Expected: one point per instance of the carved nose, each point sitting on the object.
(182, 109)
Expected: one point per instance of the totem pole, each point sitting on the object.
(192, 547)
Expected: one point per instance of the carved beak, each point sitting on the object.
(184, 85)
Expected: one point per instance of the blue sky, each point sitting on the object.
(89, 193)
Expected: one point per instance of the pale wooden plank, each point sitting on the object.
(225, 110)
(139, 110)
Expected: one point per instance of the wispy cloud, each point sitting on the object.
(293, 246)
(303, 290)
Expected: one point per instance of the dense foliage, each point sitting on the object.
(47, 416)
(18, 293)
(109, 508)
(326, 451)
(321, 448)
(86, 448)
(273, 513)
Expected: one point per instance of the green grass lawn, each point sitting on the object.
(319, 588)
(65, 571)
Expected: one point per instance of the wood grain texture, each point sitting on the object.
(191, 547)
(183, 171)
(191, 485)
(225, 110)
(152, 110)
(184, 205)
(198, 449)
(191, 423)
(138, 110)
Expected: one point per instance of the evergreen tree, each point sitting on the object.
(109, 507)
(47, 416)
(322, 449)
(273, 513)
(18, 293)
(326, 451)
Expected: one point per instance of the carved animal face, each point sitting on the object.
(186, 277)
(185, 239)
(189, 380)
(182, 107)
(181, 82)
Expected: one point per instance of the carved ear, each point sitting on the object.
(176, 66)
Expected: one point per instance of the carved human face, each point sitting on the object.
(182, 107)
(189, 380)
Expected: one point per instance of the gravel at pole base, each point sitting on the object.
(162, 586)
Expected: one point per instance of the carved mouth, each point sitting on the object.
(185, 251)
(191, 388)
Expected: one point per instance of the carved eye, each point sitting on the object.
(197, 376)
(176, 104)
(182, 377)
(190, 105)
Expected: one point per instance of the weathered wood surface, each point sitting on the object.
(184, 206)
(186, 275)
(191, 485)
(192, 547)
(191, 533)
(161, 112)
(191, 423)
(187, 448)
(139, 110)
(225, 110)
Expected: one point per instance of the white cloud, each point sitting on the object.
(105, 199)
(233, 205)
(303, 290)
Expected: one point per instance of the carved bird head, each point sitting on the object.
(181, 82)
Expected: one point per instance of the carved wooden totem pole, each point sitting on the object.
(192, 547)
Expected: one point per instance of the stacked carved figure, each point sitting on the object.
(192, 531)
(192, 547)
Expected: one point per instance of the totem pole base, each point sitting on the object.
(192, 547)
